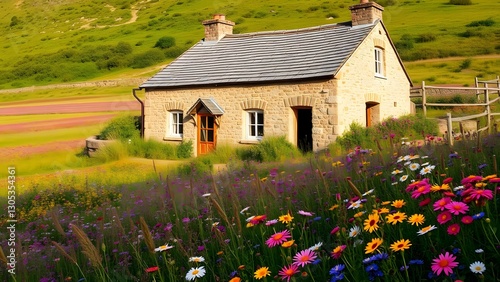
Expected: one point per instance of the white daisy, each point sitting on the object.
(403, 178)
(163, 248)
(477, 267)
(479, 251)
(461, 187)
(396, 171)
(195, 272)
(244, 210)
(414, 157)
(354, 205)
(426, 229)
(414, 166)
(196, 259)
(368, 192)
(316, 247)
(427, 169)
(354, 231)
(206, 195)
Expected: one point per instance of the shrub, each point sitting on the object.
(357, 135)
(488, 22)
(122, 127)
(426, 37)
(185, 149)
(165, 42)
(460, 2)
(270, 149)
(147, 59)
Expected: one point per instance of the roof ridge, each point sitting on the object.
(287, 31)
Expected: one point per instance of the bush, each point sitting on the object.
(426, 37)
(147, 59)
(460, 2)
(185, 149)
(269, 150)
(488, 22)
(165, 42)
(123, 127)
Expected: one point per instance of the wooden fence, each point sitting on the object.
(482, 90)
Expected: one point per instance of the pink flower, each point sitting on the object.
(444, 263)
(424, 202)
(467, 219)
(335, 230)
(471, 179)
(304, 257)
(288, 271)
(337, 252)
(278, 238)
(440, 204)
(444, 217)
(477, 194)
(453, 229)
(457, 208)
(447, 180)
(421, 190)
(304, 213)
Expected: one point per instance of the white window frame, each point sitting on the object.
(254, 125)
(379, 62)
(175, 124)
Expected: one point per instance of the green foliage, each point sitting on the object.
(460, 2)
(465, 64)
(122, 127)
(147, 59)
(165, 42)
(488, 22)
(14, 21)
(112, 152)
(185, 149)
(268, 150)
(405, 43)
(409, 126)
(425, 37)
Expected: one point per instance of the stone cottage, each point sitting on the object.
(306, 84)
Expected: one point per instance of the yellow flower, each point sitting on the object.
(359, 214)
(334, 207)
(262, 272)
(373, 245)
(287, 218)
(398, 204)
(396, 217)
(371, 224)
(416, 219)
(235, 279)
(381, 211)
(444, 187)
(385, 203)
(288, 244)
(400, 245)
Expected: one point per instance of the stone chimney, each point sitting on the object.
(216, 28)
(365, 12)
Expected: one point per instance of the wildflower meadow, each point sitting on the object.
(419, 212)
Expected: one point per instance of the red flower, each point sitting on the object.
(425, 202)
(152, 269)
(453, 229)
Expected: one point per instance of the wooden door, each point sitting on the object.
(206, 133)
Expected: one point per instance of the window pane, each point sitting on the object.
(203, 122)
(203, 135)
(260, 129)
(252, 118)
(252, 130)
(180, 129)
(260, 118)
(210, 136)
(210, 122)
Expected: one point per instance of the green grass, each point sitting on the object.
(43, 117)
(44, 29)
(47, 136)
(65, 95)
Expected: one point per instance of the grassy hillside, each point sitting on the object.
(52, 41)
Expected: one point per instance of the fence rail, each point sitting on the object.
(482, 90)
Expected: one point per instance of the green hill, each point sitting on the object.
(53, 41)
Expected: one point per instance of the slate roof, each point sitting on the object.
(264, 56)
(210, 104)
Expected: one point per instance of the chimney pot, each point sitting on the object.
(365, 12)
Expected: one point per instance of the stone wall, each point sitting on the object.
(392, 90)
(278, 99)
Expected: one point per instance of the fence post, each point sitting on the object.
(488, 108)
(476, 84)
(424, 100)
(449, 126)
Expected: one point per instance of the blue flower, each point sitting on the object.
(337, 277)
(478, 216)
(337, 269)
(416, 261)
(372, 267)
(481, 166)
